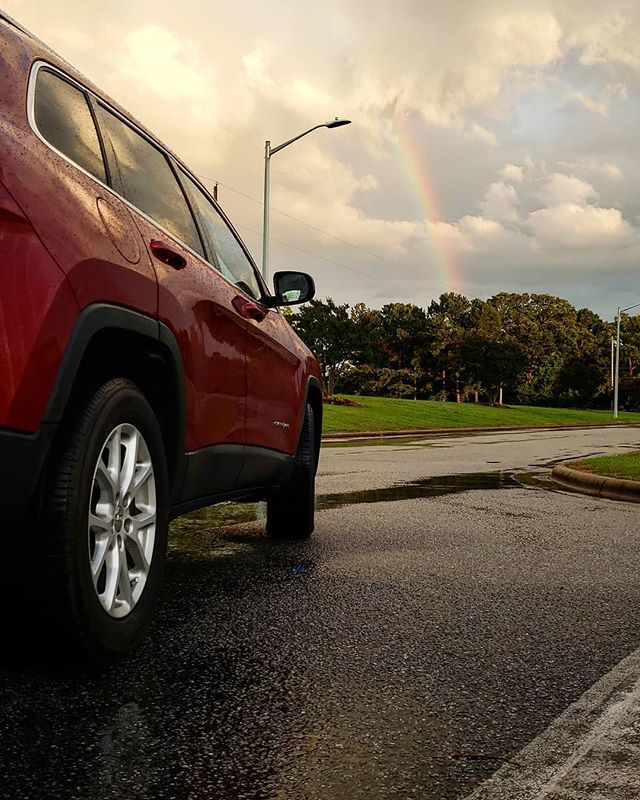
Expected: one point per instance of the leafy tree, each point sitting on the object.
(492, 364)
(329, 332)
(537, 347)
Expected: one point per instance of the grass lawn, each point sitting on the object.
(626, 465)
(386, 414)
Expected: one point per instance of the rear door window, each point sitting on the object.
(141, 173)
(63, 118)
(227, 252)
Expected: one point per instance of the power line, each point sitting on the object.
(323, 258)
(312, 227)
(325, 233)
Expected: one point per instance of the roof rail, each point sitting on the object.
(15, 23)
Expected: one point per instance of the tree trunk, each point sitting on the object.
(475, 396)
(500, 397)
(331, 381)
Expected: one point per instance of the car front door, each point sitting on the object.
(273, 370)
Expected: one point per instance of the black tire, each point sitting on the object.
(290, 511)
(75, 616)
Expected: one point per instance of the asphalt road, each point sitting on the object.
(424, 635)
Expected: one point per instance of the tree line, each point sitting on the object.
(534, 349)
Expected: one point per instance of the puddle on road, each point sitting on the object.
(426, 487)
(187, 531)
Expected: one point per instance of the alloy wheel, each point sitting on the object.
(122, 520)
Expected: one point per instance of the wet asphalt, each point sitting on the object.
(431, 627)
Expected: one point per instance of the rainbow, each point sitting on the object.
(411, 156)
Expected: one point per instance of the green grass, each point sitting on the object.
(626, 465)
(386, 414)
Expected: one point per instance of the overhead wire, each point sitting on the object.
(324, 258)
(319, 230)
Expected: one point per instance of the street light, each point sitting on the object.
(268, 152)
(615, 388)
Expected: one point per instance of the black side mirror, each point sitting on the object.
(292, 288)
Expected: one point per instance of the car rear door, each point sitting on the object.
(88, 231)
(194, 301)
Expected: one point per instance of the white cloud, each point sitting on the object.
(606, 33)
(500, 202)
(590, 103)
(593, 166)
(570, 225)
(164, 64)
(558, 188)
(481, 134)
(512, 173)
(215, 81)
(602, 103)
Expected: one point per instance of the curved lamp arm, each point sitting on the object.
(268, 152)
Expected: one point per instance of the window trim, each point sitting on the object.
(92, 97)
(167, 159)
(74, 85)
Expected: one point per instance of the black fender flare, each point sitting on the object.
(99, 317)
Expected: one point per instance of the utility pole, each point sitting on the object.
(617, 375)
(613, 346)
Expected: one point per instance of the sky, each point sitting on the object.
(493, 144)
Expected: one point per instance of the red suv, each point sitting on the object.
(146, 369)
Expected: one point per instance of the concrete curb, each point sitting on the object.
(364, 435)
(596, 485)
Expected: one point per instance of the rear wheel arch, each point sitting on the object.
(110, 341)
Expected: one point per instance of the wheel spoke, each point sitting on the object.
(136, 550)
(98, 557)
(128, 469)
(141, 477)
(99, 524)
(144, 519)
(114, 464)
(124, 579)
(108, 597)
(108, 479)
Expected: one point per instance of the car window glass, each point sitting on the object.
(63, 118)
(147, 181)
(230, 258)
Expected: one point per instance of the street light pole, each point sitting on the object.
(268, 152)
(617, 378)
(615, 386)
(265, 210)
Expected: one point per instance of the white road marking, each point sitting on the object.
(590, 752)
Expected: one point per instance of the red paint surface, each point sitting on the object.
(67, 242)
(197, 304)
(37, 312)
